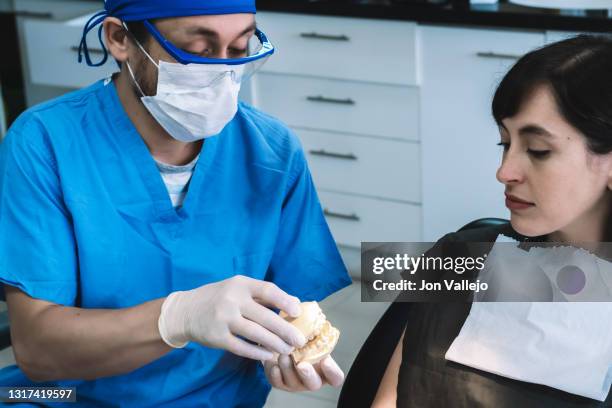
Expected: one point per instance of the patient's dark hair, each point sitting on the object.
(578, 72)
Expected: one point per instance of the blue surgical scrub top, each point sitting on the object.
(86, 221)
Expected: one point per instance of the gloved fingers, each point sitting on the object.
(245, 349)
(267, 365)
(309, 376)
(273, 374)
(258, 334)
(275, 377)
(274, 323)
(331, 372)
(291, 379)
(268, 294)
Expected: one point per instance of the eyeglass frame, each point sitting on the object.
(184, 57)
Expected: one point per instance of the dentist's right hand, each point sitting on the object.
(227, 313)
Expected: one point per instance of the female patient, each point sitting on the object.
(554, 112)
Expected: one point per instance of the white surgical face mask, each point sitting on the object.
(193, 101)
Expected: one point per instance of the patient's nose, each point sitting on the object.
(510, 171)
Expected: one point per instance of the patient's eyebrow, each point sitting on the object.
(534, 130)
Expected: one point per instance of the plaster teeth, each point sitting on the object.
(321, 339)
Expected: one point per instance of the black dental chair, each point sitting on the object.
(369, 366)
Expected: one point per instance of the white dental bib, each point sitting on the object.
(563, 345)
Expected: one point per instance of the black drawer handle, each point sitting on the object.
(321, 98)
(34, 14)
(97, 51)
(350, 217)
(323, 152)
(496, 55)
(316, 36)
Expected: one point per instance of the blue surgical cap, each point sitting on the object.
(138, 10)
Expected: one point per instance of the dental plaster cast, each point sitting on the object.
(320, 335)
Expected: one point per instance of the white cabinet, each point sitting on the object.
(59, 10)
(356, 165)
(344, 106)
(48, 33)
(342, 48)
(461, 68)
(54, 63)
(436, 108)
(349, 88)
(354, 219)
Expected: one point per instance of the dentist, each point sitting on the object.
(151, 222)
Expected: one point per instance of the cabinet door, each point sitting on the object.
(461, 69)
(355, 49)
(342, 106)
(55, 9)
(54, 63)
(364, 165)
(353, 219)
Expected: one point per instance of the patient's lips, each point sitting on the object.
(516, 203)
(321, 336)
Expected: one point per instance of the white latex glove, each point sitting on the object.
(284, 375)
(218, 314)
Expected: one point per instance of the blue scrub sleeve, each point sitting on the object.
(37, 244)
(306, 262)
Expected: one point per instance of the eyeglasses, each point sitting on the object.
(258, 53)
(263, 49)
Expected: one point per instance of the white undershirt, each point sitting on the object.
(176, 179)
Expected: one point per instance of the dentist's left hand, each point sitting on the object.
(284, 375)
